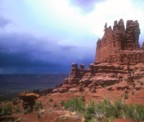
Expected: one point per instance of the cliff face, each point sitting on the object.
(118, 58)
(117, 39)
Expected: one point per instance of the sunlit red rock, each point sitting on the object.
(118, 58)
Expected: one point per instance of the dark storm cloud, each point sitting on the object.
(28, 54)
(21, 60)
(68, 47)
(86, 5)
(20, 43)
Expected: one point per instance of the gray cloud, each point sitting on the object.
(69, 47)
(86, 5)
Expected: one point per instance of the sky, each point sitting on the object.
(47, 36)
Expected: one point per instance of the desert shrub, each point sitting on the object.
(6, 109)
(18, 120)
(104, 85)
(17, 109)
(91, 107)
(62, 103)
(106, 110)
(75, 104)
(103, 107)
(93, 120)
(118, 109)
(129, 110)
(87, 116)
(38, 105)
(138, 115)
(15, 101)
(135, 112)
(89, 112)
(99, 111)
(28, 110)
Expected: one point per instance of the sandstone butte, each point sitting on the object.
(117, 71)
(119, 58)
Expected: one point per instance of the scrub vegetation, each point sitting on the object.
(105, 110)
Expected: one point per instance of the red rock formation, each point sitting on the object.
(117, 39)
(118, 58)
(126, 57)
(29, 99)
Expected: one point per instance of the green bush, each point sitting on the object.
(89, 111)
(140, 112)
(118, 109)
(93, 120)
(17, 109)
(75, 104)
(28, 110)
(135, 112)
(105, 110)
(6, 109)
(104, 107)
(129, 110)
(18, 120)
(62, 103)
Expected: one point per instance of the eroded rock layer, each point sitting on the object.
(118, 58)
(118, 38)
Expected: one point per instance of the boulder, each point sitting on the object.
(55, 90)
(73, 90)
(122, 87)
(110, 88)
(29, 99)
(62, 90)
